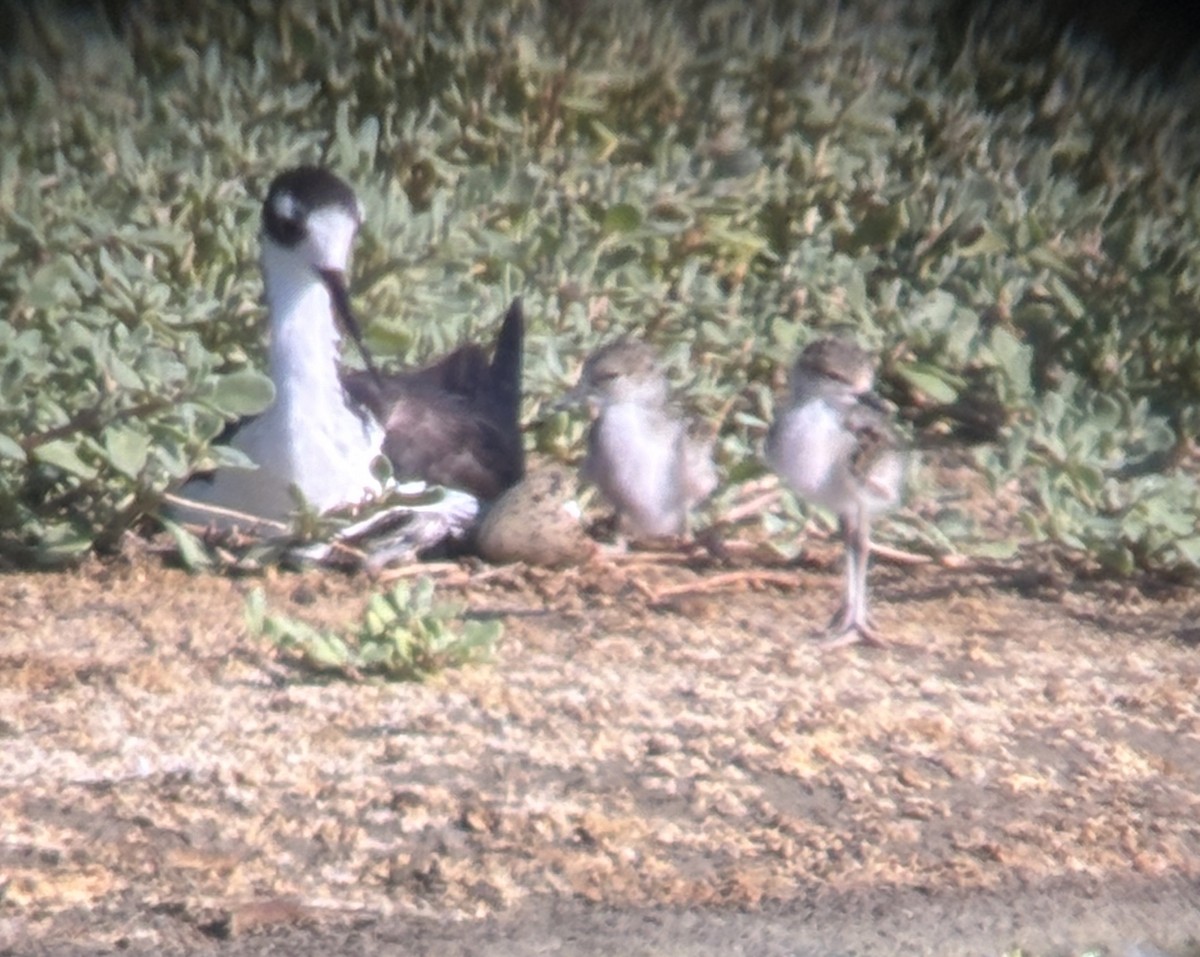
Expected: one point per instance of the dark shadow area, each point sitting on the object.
(1153, 34)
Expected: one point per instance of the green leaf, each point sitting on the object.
(622, 218)
(325, 649)
(256, 606)
(127, 449)
(65, 541)
(245, 392)
(879, 225)
(62, 454)
(932, 381)
(1070, 302)
(10, 448)
(227, 457)
(986, 243)
(123, 374)
(1189, 550)
(195, 557)
(997, 551)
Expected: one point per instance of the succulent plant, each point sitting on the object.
(404, 635)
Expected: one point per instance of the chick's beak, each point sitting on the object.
(582, 396)
(568, 400)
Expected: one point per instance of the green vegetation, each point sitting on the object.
(1010, 221)
(404, 635)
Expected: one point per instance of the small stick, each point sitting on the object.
(183, 502)
(719, 582)
(647, 557)
(433, 569)
(902, 557)
(899, 555)
(495, 571)
(752, 506)
(335, 546)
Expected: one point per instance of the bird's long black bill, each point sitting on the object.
(335, 282)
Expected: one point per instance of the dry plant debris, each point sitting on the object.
(161, 779)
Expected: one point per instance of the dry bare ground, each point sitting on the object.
(658, 761)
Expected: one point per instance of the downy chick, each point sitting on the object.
(642, 455)
(833, 444)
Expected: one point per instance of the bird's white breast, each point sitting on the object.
(634, 458)
(810, 448)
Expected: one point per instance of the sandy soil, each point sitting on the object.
(658, 761)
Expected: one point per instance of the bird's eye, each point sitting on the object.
(285, 218)
(287, 208)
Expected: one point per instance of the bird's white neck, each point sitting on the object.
(329, 444)
(303, 351)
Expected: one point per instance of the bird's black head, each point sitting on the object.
(297, 193)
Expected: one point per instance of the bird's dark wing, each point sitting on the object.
(870, 422)
(438, 437)
(455, 422)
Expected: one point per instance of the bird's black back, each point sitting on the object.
(456, 422)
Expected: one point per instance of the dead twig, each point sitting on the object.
(648, 557)
(756, 504)
(442, 571)
(181, 501)
(723, 582)
(339, 548)
(900, 556)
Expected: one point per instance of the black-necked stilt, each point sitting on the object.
(642, 454)
(455, 423)
(832, 443)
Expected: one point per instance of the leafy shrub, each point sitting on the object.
(1009, 220)
(404, 635)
